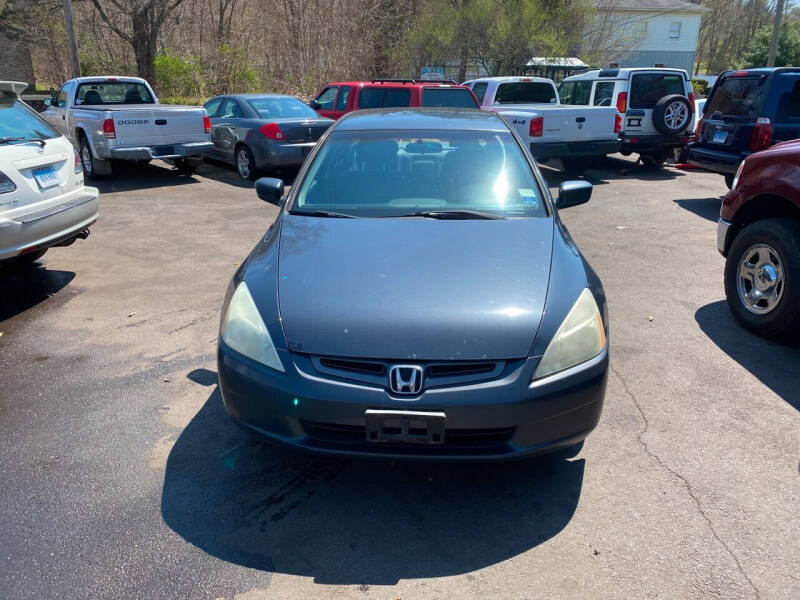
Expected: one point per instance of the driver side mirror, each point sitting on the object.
(573, 193)
(47, 101)
(270, 190)
(315, 105)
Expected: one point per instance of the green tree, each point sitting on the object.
(788, 47)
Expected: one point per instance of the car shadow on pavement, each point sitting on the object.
(225, 173)
(609, 168)
(131, 176)
(356, 522)
(24, 288)
(707, 208)
(775, 365)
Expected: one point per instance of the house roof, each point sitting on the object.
(665, 6)
(566, 61)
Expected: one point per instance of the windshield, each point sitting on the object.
(448, 97)
(396, 173)
(19, 121)
(525, 92)
(281, 108)
(735, 96)
(119, 92)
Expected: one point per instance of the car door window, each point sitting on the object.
(327, 98)
(396, 97)
(212, 106)
(575, 92)
(479, 90)
(230, 110)
(61, 99)
(342, 98)
(603, 93)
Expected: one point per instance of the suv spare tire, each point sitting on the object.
(672, 114)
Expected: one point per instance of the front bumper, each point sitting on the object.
(46, 227)
(548, 150)
(311, 412)
(172, 151)
(716, 160)
(632, 142)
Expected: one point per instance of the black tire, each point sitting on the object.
(758, 241)
(186, 167)
(654, 159)
(89, 161)
(672, 114)
(24, 261)
(245, 156)
(729, 180)
(576, 165)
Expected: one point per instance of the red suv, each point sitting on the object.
(759, 235)
(346, 96)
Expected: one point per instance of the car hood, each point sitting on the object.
(413, 288)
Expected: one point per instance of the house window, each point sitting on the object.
(640, 30)
(675, 29)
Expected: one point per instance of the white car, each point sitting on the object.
(573, 134)
(43, 201)
(656, 104)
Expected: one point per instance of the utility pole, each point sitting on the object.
(71, 41)
(776, 33)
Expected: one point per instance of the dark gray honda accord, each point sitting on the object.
(417, 297)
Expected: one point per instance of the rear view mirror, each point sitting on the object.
(270, 190)
(573, 193)
(315, 105)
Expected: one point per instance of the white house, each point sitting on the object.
(655, 32)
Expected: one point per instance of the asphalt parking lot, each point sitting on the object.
(122, 477)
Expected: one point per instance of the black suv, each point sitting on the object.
(747, 111)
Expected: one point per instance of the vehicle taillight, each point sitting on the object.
(108, 129)
(761, 137)
(6, 185)
(622, 102)
(206, 123)
(78, 166)
(691, 100)
(272, 131)
(617, 123)
(537, 127)
(698, 130)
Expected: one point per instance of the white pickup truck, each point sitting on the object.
(119, 118)
(573, 134)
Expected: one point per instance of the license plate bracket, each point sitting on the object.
(46, 177)
(720, 137)
(405, 426)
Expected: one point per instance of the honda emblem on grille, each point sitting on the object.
(405, 379)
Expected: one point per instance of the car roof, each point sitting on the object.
(252, 96)
(459, 119)
(510, 78)
(620, 73)
(108, 78)
(397, 83)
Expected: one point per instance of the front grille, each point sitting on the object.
(451, 369)
(357, 366)
(478, 441)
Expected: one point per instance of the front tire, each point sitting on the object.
(245, 163)
(92, 167)
(729, 180)
(762, 278)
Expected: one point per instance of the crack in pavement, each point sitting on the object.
(683, 480)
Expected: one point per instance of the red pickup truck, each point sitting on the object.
(342, 97)
(759, 235)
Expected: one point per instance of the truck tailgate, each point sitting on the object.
(565, 123)
(158, 125)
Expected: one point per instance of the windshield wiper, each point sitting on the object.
(453, 214)
(321, 213)
(6, 140)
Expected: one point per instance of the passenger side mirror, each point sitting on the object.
(315, 105)
(47, 101)
(270, 190)
(573, 193)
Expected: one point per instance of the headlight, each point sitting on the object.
(580, 337)
(738, 174)
(243, 329)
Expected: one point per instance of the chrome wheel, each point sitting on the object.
(243, 163)
(86, 159)
(676, 116)
(760, 279)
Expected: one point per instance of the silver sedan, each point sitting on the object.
(262, 132)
